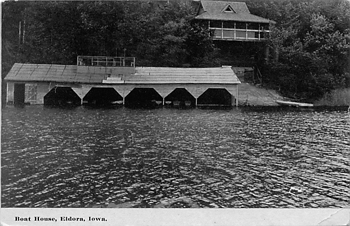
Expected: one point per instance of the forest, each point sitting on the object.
(310, 42)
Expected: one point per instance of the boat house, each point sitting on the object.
(97, 80)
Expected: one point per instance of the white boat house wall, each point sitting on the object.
(116, 80)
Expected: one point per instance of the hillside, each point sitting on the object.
(250, 95)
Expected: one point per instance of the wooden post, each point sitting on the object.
(277, 54)
(7, 92)
(246, 31)
(24, 30)
(234, 32)
(163, 101)
(196, 101)
(237, 96)
(19, 32)
(222, 30)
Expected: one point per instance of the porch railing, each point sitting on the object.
(239, 34)
(106, 61)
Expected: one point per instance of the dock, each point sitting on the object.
(293, 104)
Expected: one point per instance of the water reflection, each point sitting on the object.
(119, 157)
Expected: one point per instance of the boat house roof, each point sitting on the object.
(223, 75)
(115, 75)
(228, 11)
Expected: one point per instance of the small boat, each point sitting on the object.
(187, 103)
(156, 102)
(117, 102)
(293, 104)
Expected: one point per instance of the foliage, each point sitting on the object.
(312, 46)
(56, 32)
(337, 97)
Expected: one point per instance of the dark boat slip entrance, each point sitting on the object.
(180, 97)
(61, 96)
(102, 97)
(143, 97)
(138, 97)
(215, 97)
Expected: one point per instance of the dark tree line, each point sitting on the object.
(56, 32)
(310, 42)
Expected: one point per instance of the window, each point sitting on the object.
(229, 9)
(229, 24)
(253, 26)
(240, 25)
(264, 26)
(215, 23)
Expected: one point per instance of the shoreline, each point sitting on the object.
(254, 96)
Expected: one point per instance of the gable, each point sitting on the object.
(229, 9)
(217, 7)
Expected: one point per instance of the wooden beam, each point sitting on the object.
(237, 95)
(234, 32)
(10, 92)
(222, 30)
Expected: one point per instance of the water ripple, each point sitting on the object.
(174, 158)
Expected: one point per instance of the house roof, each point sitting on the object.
(215, 10)
(140, 75)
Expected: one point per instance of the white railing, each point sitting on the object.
(105, 61)
(239, 34)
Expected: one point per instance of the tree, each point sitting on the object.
(313, 50)
(157, 35)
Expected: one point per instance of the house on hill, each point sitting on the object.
(240, 35)
(232, 21)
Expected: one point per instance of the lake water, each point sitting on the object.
(240, 157)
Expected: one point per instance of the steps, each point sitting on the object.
(241, 71)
